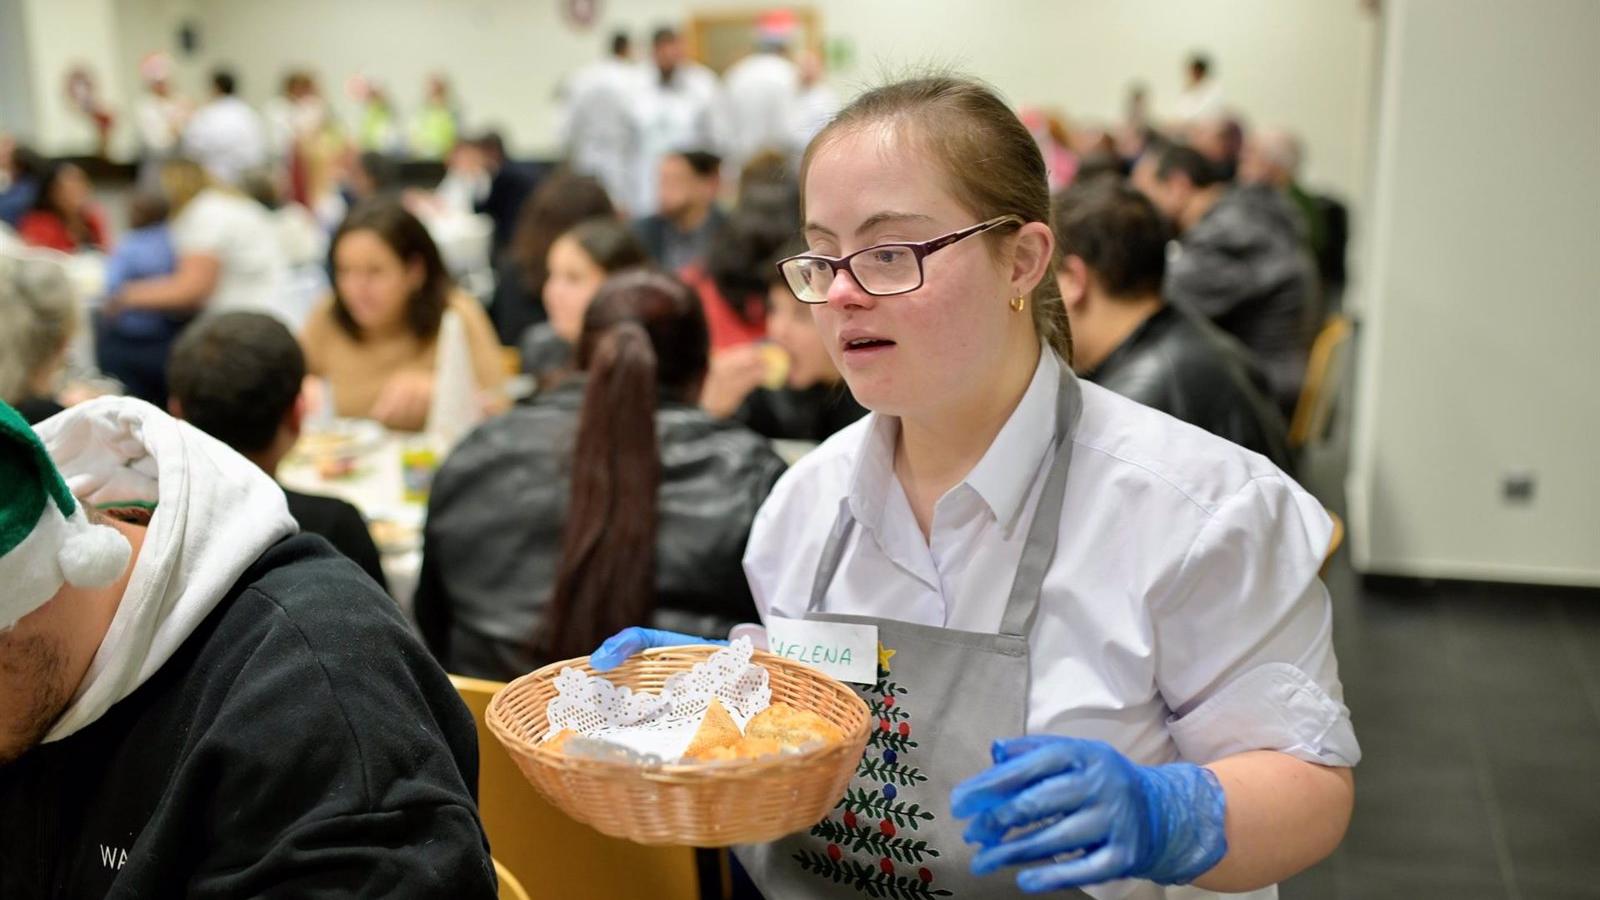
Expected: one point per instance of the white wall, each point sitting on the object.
(1483, 326)
(60, 35)
(1306, 64)
(16, 70)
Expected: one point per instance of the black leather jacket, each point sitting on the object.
(1184, 366)
(1244, 267)
(492, 542)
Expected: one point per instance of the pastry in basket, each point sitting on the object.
(792, 727)
(746, 748)
(717, 729)
(558, 743)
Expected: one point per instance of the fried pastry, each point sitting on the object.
(792, 727)
(746, 748)
(717, 729)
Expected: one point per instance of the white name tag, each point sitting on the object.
(848, 652)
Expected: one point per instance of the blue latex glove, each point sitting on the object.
(1116, 819)
(625, 643)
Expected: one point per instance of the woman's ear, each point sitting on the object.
(1073, 277)
(1030, 258)
(416, 275)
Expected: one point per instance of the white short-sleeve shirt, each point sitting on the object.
(1182, 616)
(253, 270)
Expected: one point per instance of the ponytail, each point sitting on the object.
(606, 579)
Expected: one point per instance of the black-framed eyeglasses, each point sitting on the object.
(881, 270)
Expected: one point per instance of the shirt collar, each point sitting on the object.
(1006, 472)
(874, 471)
(1002, 478)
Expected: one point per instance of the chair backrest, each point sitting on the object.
(1334, 541)
(511, 360)
(542, 847)
(510, 887)
(1324, 374)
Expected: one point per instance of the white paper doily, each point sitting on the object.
(660, 725)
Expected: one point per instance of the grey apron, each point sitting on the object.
(941, 698)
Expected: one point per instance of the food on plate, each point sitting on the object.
(333, 466)
(394, 537)
(792, 727)
(317, 443)
(717, 729)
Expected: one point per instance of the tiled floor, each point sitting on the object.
(1478, 710)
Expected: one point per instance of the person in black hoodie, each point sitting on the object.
(196, 701)
(237, 376)
(1126, 338)
(609, 500)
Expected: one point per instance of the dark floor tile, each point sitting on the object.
(1551, 816)
(1379, 882)
(1421, 814)
(1556, 885)
(1580, 611)
(1579, 621)
(1535, 669)
(1320, 882)
(1552, 730)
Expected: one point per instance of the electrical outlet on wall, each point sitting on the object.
(1517, 486)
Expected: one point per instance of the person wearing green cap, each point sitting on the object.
(195, 699)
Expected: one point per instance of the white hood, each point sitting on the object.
(215, 513)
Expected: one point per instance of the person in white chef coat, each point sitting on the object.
(762, 90)
(600, 125)
(680, 108)
(1103, 658)
(225, 135)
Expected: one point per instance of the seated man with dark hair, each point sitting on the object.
(504, 186)
(237, 377)
(1241, 261)
(196, 701)
(1126, 339)
(687, 219)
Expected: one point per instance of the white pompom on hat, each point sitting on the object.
(46, 540)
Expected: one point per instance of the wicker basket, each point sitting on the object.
(688, 805)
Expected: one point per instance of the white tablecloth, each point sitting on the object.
(377, 490)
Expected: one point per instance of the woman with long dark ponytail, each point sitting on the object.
(609, 500)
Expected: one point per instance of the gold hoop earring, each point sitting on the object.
(1018, 303)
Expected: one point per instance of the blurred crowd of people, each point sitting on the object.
(1194, 264)
(602, 356)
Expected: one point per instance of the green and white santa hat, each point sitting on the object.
(46, 540)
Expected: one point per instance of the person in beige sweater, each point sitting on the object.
(374, 342)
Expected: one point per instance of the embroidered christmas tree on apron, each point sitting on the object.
(873, 844)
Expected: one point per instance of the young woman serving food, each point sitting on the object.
(1103, 651)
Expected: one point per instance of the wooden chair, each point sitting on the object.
(1324, 374)
(510, 887)
(511, 360)
(1334, 542)
(539, 846)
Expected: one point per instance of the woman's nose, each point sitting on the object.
(845, 292)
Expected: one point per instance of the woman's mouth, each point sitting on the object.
(861, 347)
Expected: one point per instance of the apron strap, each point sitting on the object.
(832, 552)
(1038, 551)
(1040, 548)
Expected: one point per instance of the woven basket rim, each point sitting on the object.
(683, 656)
